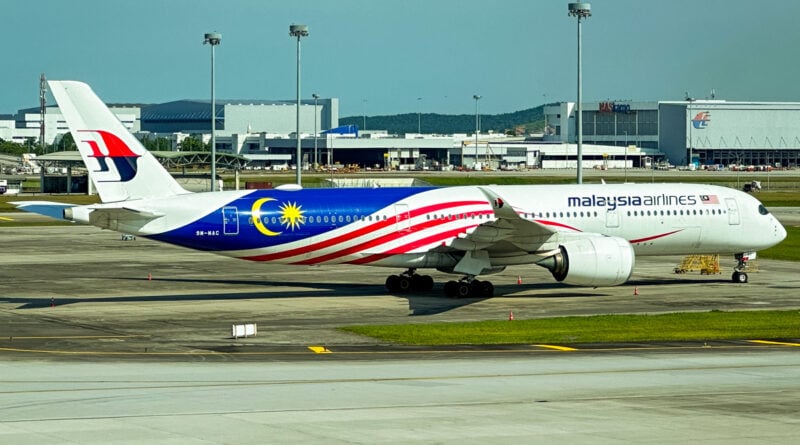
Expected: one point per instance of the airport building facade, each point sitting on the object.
(712, 133)
(616, 134)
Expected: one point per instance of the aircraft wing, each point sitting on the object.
(507, 233)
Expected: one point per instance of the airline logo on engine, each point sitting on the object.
(612, 202)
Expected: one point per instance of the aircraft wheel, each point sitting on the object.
(739, 277)
(464, 289)
(451, 289)
(423, 282)
(486, 289)
(393, 283)
(405, 283)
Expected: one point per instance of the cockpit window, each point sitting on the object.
(763, 210)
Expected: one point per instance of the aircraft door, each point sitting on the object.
(733, 211)
(402, 218)
(612, 219)
(230, 221)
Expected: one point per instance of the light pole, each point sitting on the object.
(419, 116)
(213, 39)
(298, 31)
(581, 11)
(477, 128)
(364, 113)
(691, 124)
(626, 156)
(316, 160)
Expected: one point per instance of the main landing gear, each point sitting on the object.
(409, 281)
(739, 274)
(469, 287)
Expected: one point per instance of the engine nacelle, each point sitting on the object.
(594, 261)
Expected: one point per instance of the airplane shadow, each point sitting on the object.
(420, 303)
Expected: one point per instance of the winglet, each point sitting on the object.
(502, 209)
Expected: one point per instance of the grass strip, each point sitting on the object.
(686, 326)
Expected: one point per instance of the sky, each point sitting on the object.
(403, 56)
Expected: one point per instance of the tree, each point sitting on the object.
(12, 148)
(67, 143)
(193, 143)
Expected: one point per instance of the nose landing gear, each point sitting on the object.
(739, 274)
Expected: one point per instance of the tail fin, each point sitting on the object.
(119, 166)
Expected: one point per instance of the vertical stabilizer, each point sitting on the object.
(119, 165)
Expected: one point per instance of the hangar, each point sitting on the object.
(709, 132)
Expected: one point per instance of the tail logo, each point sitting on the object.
(109, 146)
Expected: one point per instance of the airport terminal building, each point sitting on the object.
(616, 134)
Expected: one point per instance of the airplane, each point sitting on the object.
(584, 234)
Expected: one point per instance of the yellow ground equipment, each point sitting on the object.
(706, 264)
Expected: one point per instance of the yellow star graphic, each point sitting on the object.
(292, 215)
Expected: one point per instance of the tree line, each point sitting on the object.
(529, 120)
(67, 143)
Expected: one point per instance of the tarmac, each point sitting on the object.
(111, 340)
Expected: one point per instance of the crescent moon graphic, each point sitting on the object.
(257, 217)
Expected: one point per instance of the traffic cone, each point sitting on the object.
(52, 302)
(519, 279)
(636, 290)
(511, 316)
(149, 276)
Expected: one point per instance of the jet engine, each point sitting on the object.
(594, 261)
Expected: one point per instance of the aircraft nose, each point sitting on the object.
(780, 231)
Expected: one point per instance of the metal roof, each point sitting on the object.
(169, 159)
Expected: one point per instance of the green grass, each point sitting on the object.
(779, 199)
(704, 326)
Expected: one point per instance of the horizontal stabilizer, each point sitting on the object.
(46, 208)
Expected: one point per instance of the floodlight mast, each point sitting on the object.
(316, 160)
(477, 129)
(213, 39)
(298, 31)
(581, 11)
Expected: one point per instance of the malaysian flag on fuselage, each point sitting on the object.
(709, 199)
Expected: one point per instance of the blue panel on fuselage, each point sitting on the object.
(319, 210)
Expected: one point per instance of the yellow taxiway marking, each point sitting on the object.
(319, 349)
(3, 218)
(779, 343)
(557, 348)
